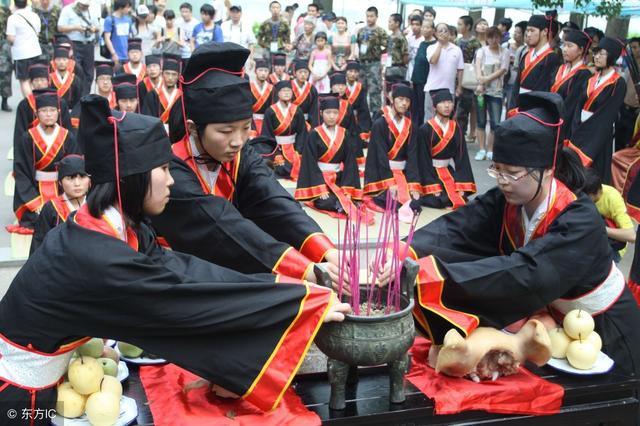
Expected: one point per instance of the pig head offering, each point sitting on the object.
(488, 353)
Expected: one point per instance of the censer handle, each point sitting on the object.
(408, 276)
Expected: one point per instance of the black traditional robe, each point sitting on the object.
(306, 98)
(68, 88)
(273, 78)
(158, 103)
(247, 334)
(329, 167)
(357, 97)
(535, 74)
(569, 85)
(247, 221)
(75, 117)
(27, 118)
(439, 163)
(262, 100)
(594, 117)
(348, 120)
(53, 213)
(33, 189)
(479, 271)
(387, 156)
(145, 86)
(290, 132)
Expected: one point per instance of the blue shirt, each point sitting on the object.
(120, 29)
(202, 35)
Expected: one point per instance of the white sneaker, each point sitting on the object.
(490, 155)
(480, 155)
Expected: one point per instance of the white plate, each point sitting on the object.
(123, 371)
(111, 343)
(603, 364)
(128, 414)
(141, 360)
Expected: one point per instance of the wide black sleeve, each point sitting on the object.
(24, 117)
(363, 113)
(350, 175)
(299, 127)
(419, 169)
(142, 94)
(269, 124)
(76, 92)
(377, 169)
(151, 104)
(26, 188)
(314, 108)
(310, 178)
(213, 229)
(47, 220)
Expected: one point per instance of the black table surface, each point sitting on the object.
(594, 399)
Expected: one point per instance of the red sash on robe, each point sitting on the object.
(530, 64)
(62, 86)
(224, 186)
(273, 78)
(103, 226)
(260, 101)
(288, 151)
(443, 173)
(401, 137)
(113, 102)
(300, 95)
(521, 393)
(139, 75)
(593, 92)
(352, 97)
(48, 189)
(561, 79)
(166, 105)
(61, 207)
(31, 100)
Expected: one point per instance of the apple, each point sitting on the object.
(581, 354)
(578, 324)
(109, 352)
(70, 404)
(103, 409)
(92, 348)
(128, 350)
(109, 366)
(595, 340)
(559, 342)
(112, 385)
(85, 374)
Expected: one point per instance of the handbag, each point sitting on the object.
(169, 46)
(469, 79)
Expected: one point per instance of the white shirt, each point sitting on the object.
(26, 43)
(210, 176)
(414, 44)
(443, 74)
(530, 224)
(115, 219)
(48, 139)
(239, 34)
(186, 30)
(536, 52)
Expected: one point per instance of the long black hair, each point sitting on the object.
(133, 190)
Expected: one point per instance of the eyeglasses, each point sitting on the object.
(491, 171)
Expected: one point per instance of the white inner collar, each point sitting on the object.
(530, 224)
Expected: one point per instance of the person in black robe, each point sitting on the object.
(572, 75)
(153, 79)
(535, 242)
(356, 94)
(166, 101)
(126, 90)
(134, 64)
(279, 65)
(599, 101)
(226, 205)
(305, 95)
(391, 135)
(285, 123)
(329, 171)
(74, 183)
(347, 118)
(26, 116)
(262, 93)
(104, 88)
(438, 168)
(34, 159)
(101, 273)
(537, 67)
(68, 85)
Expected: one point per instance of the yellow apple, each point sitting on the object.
(112, 385)
(559, 342)
(103, 409)
(581, 354)
(70, 404)
(595, 340)
(85, 374)
(578, 324)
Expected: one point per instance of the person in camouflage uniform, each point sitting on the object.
(469, 45)
(372, 42)
(49, 15)
(397, 52)
(6, 65)
(272, 31)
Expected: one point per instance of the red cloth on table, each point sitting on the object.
(522, 393)
(170, 406)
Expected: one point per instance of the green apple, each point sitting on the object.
(92, 348)
(109, 366)
(85, 375)
(128, 350)
(109, 352)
